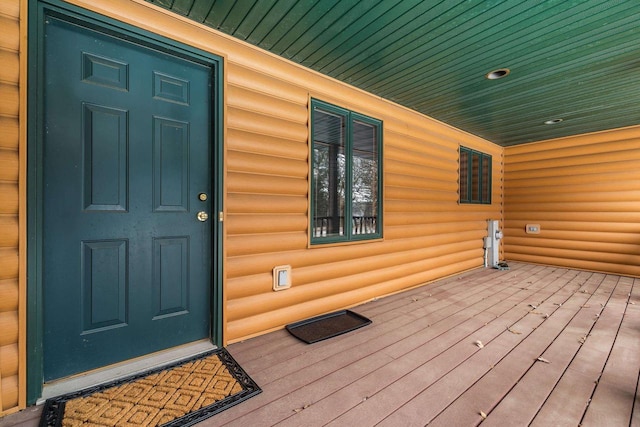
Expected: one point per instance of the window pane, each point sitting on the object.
(486, 184)
(475, 177)
(346, 175)
(329, 172)
(464, 175)
(364, 182)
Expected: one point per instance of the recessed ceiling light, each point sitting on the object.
(553, 122)
(497, 74)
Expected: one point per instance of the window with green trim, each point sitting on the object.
(346, 175)
(475, 176)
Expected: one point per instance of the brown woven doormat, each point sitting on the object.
(181, 394)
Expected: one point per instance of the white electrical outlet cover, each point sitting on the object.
(281, 277)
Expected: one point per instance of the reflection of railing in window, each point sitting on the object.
(364, 224)
(325, 225)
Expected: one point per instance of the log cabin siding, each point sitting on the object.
(427, 234)
(10, 337)
(584, 191)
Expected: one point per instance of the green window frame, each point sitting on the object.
(346, 175)
(475, 177)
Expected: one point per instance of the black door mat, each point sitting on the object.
(181, 394)
(327, 326)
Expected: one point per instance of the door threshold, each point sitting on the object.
(123, 369)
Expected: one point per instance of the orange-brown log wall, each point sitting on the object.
(584, 192)
(9, 178)
(427, 235)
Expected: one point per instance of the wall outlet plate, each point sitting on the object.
(281, 277)
(532, 228)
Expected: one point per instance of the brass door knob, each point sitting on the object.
(203, 216)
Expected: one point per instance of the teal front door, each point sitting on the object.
(127, 181)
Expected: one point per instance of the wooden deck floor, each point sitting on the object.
(559, 347)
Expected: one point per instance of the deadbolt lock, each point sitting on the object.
(202, 216)
(203, 197)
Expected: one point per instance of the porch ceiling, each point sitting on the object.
(578, 61)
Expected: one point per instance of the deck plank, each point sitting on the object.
(417, 363)
(613, 400)
(436, 317)
(530, 393)
(484, 394)
(434, 321)
(381, 400)
(436, 398)
(569, 399)
(427, 299)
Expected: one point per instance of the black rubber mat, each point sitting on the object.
(327, 326)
